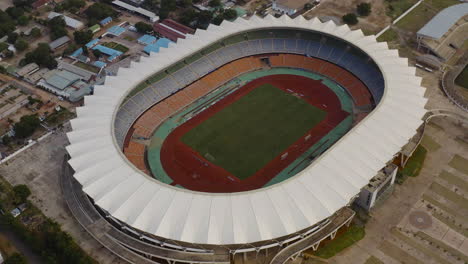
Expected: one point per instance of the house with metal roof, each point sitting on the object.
(105, 21)
(138, 10)
(147, 39)
(66, 84)
(95, 28)
(446, 32)
(70, 22)
(59, 42)
(161, 43)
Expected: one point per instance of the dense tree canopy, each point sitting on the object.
(15, 12)
(143, 27)
(21, 44)
(21, 192)
(15, 258)
(42, 56)
(26, 126)
(100, 11)
(83, 37)
(364, 9)
(57, 27)
(7, 25)
(23, 3)
(350, 19)
(36, 32)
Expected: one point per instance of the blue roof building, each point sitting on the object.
(100, 64)
(147, 39)
(116, 30)
(112, 53)
(105, 21)
(161, 43)
(92, 43)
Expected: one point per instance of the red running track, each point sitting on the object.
(192, 171)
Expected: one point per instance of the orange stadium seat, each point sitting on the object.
(135, 148)
(277, 60)
(294, 60)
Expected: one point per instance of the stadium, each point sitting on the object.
(249, 137)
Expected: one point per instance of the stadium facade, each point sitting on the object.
(275, 217)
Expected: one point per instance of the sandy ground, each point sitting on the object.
(40, 167)
(372, 24)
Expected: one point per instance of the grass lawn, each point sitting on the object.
(351, 236)
(389, 35)
(116, 46)
(462, 78)
(87, 67)
(397, 7)
(246, 135)
(417, 18)
(415, 162)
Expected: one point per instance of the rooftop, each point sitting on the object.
(59, 42)
(138, 10)
(443, 21)
(71, 22)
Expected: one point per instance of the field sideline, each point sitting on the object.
(246, 135)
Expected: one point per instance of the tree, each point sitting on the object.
(308, 6)
(188, 16)
(6, 140)
(21, 192)
(36, 32)
(204, 18)
(97, 53)
(186, 3)
(42, 56)
(143, 27)
(152, 5)
(85, 50)
(214, 3)
(7, 25)
(15, 12)
(83, 37)
(12, 37)
(100, 11)
(3, 70)
(230, 14)
(22, 3)
(73, 4)
(21, 44)
(364, 9)
(3, 46)
(350, 19)
(26, 126)
(23, 20)
(16, 258)
(57, 27)
(218, 19)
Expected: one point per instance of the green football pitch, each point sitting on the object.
(247, 134)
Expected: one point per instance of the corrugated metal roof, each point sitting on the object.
(264, 214)
(59, 42)
(443, 21)
(71, 22)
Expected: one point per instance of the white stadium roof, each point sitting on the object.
(314, 194)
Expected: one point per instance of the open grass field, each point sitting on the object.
(349, 237)
(462, 78)
(257, 127)
(116, 46)
(415, 163)
(423, 13)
